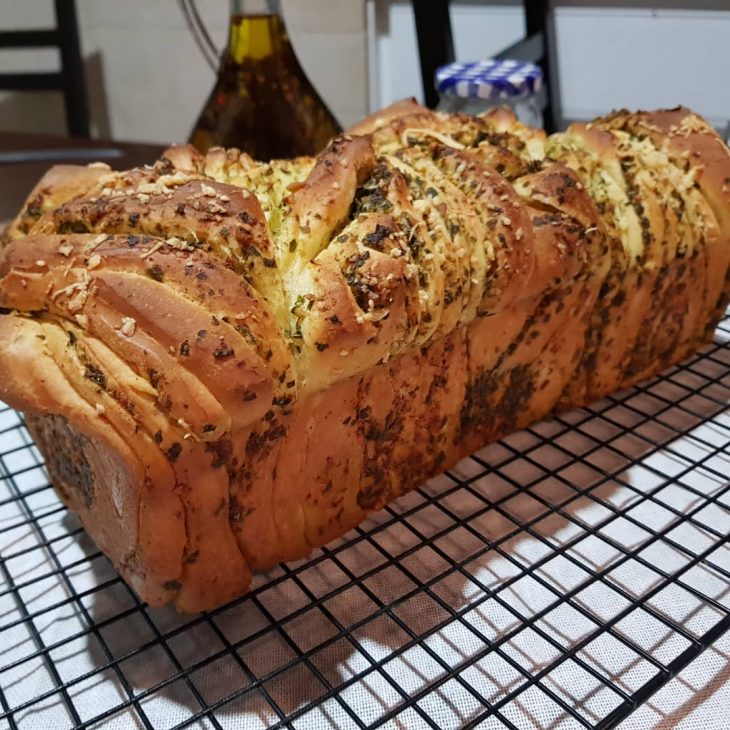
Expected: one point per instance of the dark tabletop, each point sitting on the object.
(17, 177)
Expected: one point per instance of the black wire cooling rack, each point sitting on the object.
(557, 578)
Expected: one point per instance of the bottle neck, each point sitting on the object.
(256, 31)
(255, 7)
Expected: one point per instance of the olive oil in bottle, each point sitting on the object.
(263, 103)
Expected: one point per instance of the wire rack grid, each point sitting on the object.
(555, 579)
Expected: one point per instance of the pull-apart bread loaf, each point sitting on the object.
(226, 363)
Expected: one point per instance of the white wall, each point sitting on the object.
(643, 58)
(608, 55)
(147, 80)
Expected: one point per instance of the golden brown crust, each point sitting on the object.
(57, 186)
(320, 205)
(145, 545)
(669, 262)
(384, 116)
(227, 363)
(220, 218)
(692, 146)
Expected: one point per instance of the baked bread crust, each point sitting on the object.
(228, 363)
